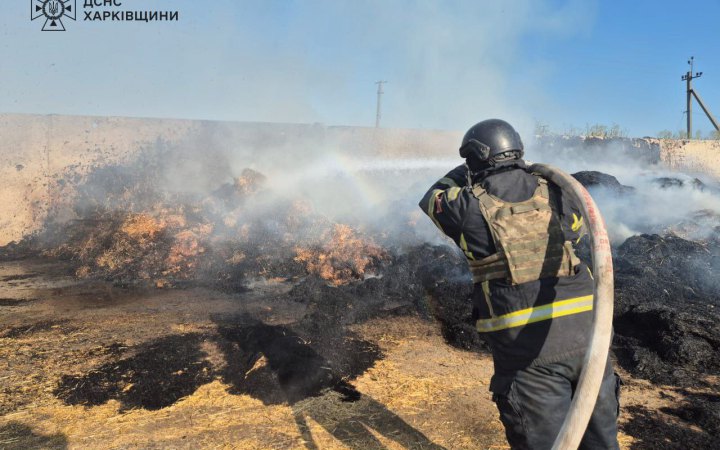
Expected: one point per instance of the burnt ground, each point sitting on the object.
(92, 365)
(288, 365)
(667, 296)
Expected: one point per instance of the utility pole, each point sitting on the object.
(688, 77)
(380, 92)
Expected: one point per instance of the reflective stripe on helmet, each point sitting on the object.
(539, 313)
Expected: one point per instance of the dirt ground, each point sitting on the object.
(89, 365)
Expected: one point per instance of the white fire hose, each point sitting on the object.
(583, 402)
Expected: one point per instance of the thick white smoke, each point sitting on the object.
(382, 193)
(682, 206)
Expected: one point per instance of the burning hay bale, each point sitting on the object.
(343, 258)
(187, 248)
(129, 227)
(130, 241)
(248, 183)
(130, 248)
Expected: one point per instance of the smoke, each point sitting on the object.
(662, 200)
(380, 193)
(355, 179)
(235, 203)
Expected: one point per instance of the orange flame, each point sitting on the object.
(343, 258)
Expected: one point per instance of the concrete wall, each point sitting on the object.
(33, 149)
(691, 156)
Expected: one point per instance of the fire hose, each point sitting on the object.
(583, 401)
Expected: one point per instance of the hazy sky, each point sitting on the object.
(448, 63)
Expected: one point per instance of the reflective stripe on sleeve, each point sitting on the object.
(531, 315)
(431, 207)
(464, 247)
(452, 193)
(449, 182)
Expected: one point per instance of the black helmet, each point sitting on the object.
(490, 141)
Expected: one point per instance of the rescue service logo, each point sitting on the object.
(96, 11)
(53, 11)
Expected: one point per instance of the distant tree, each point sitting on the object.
(597, 130)
(572, 131)
(714, 134)
(604, 131)
(666, 134)
(616, 131)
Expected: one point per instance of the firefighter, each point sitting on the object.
(532, 296)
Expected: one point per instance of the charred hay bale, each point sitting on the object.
(591, 179)
(667, 269)
(17, 250)
(702, 225)
(667, 299)
(444, 284)
(666, 346)
(436, 281)
(231, 264)
(674, 182)
(129, 187)
(357, 302)
(620, 149)
(433, 278)
(411, 272)
(432, 281)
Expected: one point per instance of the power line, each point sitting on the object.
(380, 92)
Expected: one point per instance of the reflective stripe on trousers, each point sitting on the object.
(558, 308)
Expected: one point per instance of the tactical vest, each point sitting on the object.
(528, 237)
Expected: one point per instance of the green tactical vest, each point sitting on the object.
(528, 237)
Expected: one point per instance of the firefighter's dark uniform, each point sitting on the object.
(538, 326)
